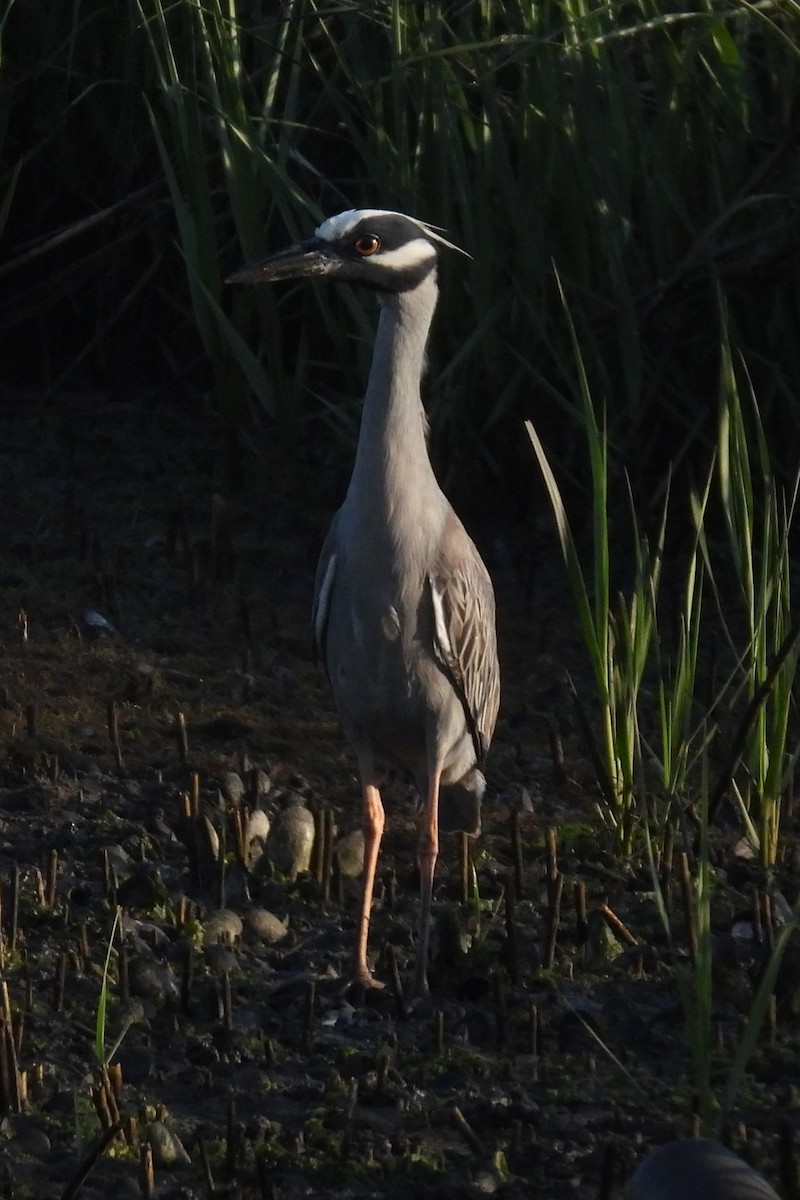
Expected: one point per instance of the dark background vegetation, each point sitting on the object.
(647, 158)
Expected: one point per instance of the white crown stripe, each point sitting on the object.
(343, 223)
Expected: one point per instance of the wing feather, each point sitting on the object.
(465, 639)
(323, 587)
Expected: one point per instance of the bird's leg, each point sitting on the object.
(427, 854)
(373, 832)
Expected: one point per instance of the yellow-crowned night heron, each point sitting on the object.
(403, 608)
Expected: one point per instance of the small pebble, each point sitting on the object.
(168, 1149)
(255, 837)
(231, 785)
(29, 1136)
(143, 889)
(349, 853)
(266, 926)
(221, 958)
(292, 839)
(222, 926)
(153, 982)
(602, 946)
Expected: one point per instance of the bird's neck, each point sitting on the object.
(392, 471)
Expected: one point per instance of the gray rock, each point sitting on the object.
(168, 1149)
(292, 839)
(153, 982)
(222, 926)
(266, 926)
(349, 854)
(231, 785)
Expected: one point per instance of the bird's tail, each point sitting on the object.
(460, 804)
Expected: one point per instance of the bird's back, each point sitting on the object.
(410, 651)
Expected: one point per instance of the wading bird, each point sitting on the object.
(403, 608)
(698, 1170)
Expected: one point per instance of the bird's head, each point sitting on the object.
(386, 251)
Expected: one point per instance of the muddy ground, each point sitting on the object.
(245, 1061)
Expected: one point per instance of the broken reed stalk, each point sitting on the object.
(396, 983)
(59, 983)
(227, 1002)
(310, 1013)
(92, 1156)
(108, 584)
(758, 929)
(553, 921)
(768, 923)
(113, 1072)
(772, 1019)
(112, 721)
(788, 1166)
(15, 882)
(245, 622)
(239, 825)
(349, 1119)
(231, 1140)
(535, 1036)
(222, 557)
(222, 864)
(463, 866)
(551, 854)
(581, 920)
(667, 852)
(101, 1105)
(147, 1178)
(556, 750)
(687, 891)
(123, 981)
(318, 848)
(182, 738)
(194, 795)
(512, 943)
(266, 1186)
(11, 1088)
(11, 1049)
(500, 1011)
(467, 1132)
(327, 854)
(608, 1174)
(110, 1088)
(187, 978)
(516, 854)
(438, 1031)
(615, 924)
(391, 890)
(52, 877)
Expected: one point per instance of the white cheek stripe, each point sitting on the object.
(412, 254)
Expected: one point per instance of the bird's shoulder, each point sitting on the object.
(457, 566)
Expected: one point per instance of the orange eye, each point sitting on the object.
(368, 243)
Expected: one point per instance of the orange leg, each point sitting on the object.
(373, 832)
(427, 853)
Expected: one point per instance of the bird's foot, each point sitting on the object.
(365, 979)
